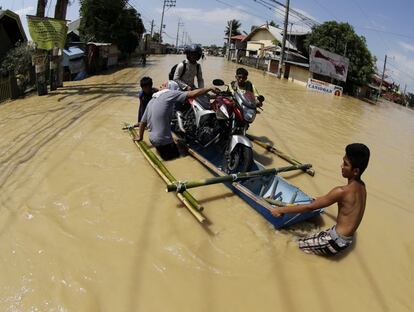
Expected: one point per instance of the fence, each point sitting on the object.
(5, 90)
(260, 63)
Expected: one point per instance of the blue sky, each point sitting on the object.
(388, 26)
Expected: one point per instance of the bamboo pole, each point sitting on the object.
(182, 186)
(186, 198)
(276, 202)
(279, 153)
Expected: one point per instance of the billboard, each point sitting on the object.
(328, 64)
(47, 33)
(324, 87)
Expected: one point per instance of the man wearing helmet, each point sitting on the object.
(187, 70)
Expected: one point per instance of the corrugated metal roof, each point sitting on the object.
(238, 37)
(73, 52)
(74, 27)
(16, 17)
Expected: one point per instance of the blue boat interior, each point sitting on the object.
(269, 186)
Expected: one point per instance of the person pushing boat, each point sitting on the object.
(351, 199)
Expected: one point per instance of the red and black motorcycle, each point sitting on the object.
(222, 122)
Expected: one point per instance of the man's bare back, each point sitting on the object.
(351, 208)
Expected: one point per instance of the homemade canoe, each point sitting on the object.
(256, 191)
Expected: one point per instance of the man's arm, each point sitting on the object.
(141, 131)
(259, 97)
(198, 92)
(177, 74)
(334, 196)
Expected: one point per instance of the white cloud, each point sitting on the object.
(211, 17)
(406, 46)
(402, 67)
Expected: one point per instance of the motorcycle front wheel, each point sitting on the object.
(239, 160)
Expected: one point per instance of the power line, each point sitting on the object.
(280, 11)
(400, 70)
(367, 17)
(385, 32)
(307, 20)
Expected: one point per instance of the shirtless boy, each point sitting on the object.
(351, 199)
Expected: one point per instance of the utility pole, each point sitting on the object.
(229, 40)
(405, 96)
(56, 66)
(182, 38)
(382, 78)
(152, 27)
(178, 31)
(40, 56)
(168, 4)
(41, 8)
(282, 53)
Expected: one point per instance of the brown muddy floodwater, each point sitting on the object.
(85, 223)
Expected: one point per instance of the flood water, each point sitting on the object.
(86, 224)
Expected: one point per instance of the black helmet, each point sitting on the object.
(194, 48)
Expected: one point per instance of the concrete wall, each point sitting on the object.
(299, 74)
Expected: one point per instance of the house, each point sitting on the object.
(100, 56)
(237, 47)
(11, 31)
(73, 62)
(264, 49)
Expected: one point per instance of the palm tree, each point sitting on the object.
(235, 28)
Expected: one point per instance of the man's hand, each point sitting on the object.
(137, 138)
(215, 90)
(188, 88)
(276, 212)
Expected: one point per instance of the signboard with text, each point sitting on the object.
(47, 33)
(324, 87)
(329, 64)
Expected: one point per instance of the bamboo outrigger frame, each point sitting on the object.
(270, 148)
(240, 188)
(185, 197)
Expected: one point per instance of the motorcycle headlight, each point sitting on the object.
(249, 114)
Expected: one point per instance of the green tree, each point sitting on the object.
(156, 37)
(235, 28)
(273, 23)
(111, 21)
(340, 38)
(18, 63)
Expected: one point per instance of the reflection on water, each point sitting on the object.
(85, 223)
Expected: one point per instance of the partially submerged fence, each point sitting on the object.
(5, 89)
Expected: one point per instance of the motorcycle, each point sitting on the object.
(222, 122)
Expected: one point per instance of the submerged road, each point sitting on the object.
(86, 224)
